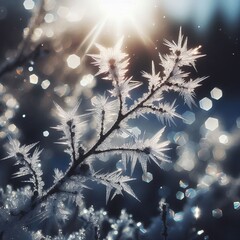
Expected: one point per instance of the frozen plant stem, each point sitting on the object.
(112, 117)
(164, 220)
(80, 160)
(114, 75)
(72, 135)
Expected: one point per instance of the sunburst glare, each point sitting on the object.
(122, 17)
(125, 13)
(118, 9)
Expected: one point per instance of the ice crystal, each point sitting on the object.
(153, 78)
(54, 208)
(104, 111)
(111, 60)
(185, 56)
(72, 128)
(29, 163)
(125, 228)
(58, 175)
(146, 149)
(115, 181)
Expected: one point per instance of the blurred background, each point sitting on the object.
(202, 187)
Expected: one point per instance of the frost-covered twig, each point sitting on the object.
(30, 165)
(174, 79)
(174, 76)
(111, 118)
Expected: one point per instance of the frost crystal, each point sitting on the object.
(111, 60)
(72, 128)
(29, 164)
(115, 181)
(58, 175)
(185, 56)
(153, 78)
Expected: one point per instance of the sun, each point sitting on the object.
(118, 18)
(119, 10)
(127, 14)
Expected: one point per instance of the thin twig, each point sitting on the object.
(102, 123)
(8, 66)
(72, 136)
(121, 149)
(164, 220)
(21, 56)
(71, 170)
